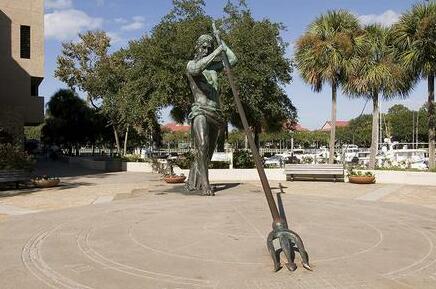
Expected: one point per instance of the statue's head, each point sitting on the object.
(203, 46)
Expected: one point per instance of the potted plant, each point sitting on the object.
(45, 182)
(170, 177)
(359, 177)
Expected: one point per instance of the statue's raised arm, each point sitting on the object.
(206, 57)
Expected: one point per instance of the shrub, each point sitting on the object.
(184, 161)
(14, 158)
(243, 160)
(354, 173)
(218, 165)
(134, 158)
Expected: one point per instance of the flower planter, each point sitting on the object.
(45, 183)
(362, 179)
(174, 179)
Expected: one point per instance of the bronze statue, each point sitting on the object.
(206, 117)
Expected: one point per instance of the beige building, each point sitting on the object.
(21, 64)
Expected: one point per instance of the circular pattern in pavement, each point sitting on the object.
(169, 241)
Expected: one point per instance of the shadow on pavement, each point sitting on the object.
(63, 169)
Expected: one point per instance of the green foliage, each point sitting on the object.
(185, 161)
(308, 139)
(218, 165)
(70, 122)
(358, 173)
(14, 158)
(400, 123)
(236, 138)
(323, 53)
(357, 132)
(33, 132)
(414, 36)
(374, 70)
(261, 71)
(134, 158)
(242, 159)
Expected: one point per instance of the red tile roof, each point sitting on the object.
(339, 123)
(176, 127)
(294, 126)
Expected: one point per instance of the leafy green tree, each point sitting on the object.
(262, 70)
(87, 66)
(323, 53)
(68, 124)
(357, 132)
(400, 122)
(415, 40)
(374, 72)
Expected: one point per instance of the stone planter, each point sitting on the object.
(45, 183)
(361, 179)
(174, 179)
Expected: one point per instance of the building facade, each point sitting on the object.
(21, 64)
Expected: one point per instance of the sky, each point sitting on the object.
(126, 20)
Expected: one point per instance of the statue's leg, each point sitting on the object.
(213, 137)
(201, 131)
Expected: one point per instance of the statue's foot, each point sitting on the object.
(208, 192)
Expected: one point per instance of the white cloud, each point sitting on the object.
(121, 20)
(137, 23)
(387, 18)
(58, 4)
(115, 38)
(66, 24)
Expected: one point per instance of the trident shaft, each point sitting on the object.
(280, 231)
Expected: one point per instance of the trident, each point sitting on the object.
(289, 241)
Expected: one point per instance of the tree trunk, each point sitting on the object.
(375, 128)
(125, 141)
(431, 122)
(333, 126)
(117, 140)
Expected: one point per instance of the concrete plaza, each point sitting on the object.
(129, 230)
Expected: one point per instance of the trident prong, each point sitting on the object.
(289, 241)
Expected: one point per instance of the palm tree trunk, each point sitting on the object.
(333, 126)
(431, 122)
(375, 128)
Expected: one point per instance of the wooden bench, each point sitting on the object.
(333, 172)
(14, 176)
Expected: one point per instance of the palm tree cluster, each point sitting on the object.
(371, 61)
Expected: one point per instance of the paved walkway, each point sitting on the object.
(127, 230)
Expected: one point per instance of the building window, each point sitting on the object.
(25, 41)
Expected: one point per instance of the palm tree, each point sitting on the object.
(373, 72)
(415, 39)
(323, 53)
